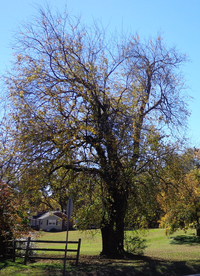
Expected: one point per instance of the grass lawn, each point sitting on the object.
(90, 241)
(175, 256)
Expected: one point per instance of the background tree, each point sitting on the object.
(181, 200)
(14, 222)
(14, 207)
(86, 102)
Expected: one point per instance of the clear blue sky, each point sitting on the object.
(178, 20)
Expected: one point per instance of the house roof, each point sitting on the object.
(39, 214)
(56, 214)
(48, 214)
(60, 214)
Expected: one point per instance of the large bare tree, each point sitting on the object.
(91, 103)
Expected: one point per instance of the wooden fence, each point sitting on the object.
(11, 250)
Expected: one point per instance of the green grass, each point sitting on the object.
(8, 268)
(160, 246)
(90, 241)
(164, 256)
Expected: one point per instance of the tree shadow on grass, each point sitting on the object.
(96, 266)
(141, 266)
(185, 239)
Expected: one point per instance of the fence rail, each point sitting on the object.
(11, 250)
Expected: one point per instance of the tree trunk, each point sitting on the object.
(112, 241)
(112, 232)
(198, 232)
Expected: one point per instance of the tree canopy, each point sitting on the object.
(88, 103)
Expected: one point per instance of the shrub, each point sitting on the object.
(134, 244)
(22, 245)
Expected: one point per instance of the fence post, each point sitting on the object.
(14, 246)
(6, 249)
(27, 248)
(78, 251)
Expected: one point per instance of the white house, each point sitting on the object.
(51, 220)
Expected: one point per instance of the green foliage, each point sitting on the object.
(134, 244)
(180, 201)
(144, 213)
